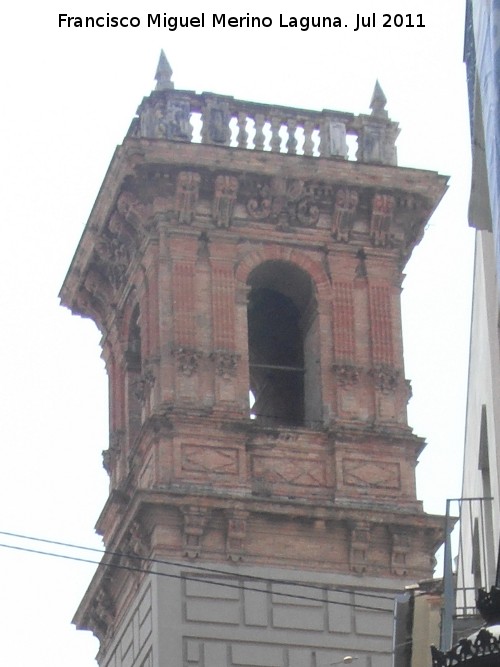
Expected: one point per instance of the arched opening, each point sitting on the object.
(283, 346)
(133, 375)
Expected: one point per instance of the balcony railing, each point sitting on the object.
(207, 118)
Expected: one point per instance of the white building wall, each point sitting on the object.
(193, 619)
(482, 438)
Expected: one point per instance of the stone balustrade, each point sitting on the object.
(185, 116)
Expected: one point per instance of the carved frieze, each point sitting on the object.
(346, 203)
(385, 378)
(382, 212)
(285, 203)
(226, 188)
(347, 375)
(134, 212)
(259, 205)
(307, 212)
(115, 256)
(226, 363)
(186, 196)
(187, 360)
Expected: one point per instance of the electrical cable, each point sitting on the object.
(186, 578)
(200, 568)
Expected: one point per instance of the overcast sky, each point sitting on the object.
(68, 98)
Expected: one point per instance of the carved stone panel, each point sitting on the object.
(216, 119)
(382, 213)
(176, 123)
(285, 202)
(167, 119)
(346, 203)
(372, 474)
(337, 136)
(385, 378)
(290, 470)
(186, 196)
(187, 360)
(226, 188)
(207, 459)
(226, 363)
(347, 375)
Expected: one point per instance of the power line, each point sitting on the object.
(200, 568)
(196, 579)
(190, 578)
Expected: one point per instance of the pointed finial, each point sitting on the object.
(164, 73)
(378, 102)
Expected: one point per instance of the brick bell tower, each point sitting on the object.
(246, 279)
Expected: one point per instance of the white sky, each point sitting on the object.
(68, 98)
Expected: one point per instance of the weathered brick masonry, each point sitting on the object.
(268, 263)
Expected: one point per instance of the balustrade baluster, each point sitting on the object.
(308, 141)
(259, 138)
(242, 137)
(324, 139)
(291, 144)
(275, 134)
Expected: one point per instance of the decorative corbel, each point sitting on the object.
(359, 543)
(400, 548)
(195, 521)
(236, 534)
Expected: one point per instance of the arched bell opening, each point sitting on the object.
(283, 346)
(133, 365)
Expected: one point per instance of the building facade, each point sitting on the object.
(246, 278)
(480, 525)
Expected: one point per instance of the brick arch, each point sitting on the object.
(299, 258)
(293, 402)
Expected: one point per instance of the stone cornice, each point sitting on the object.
(310, 199)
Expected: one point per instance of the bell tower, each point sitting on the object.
(246, 278)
